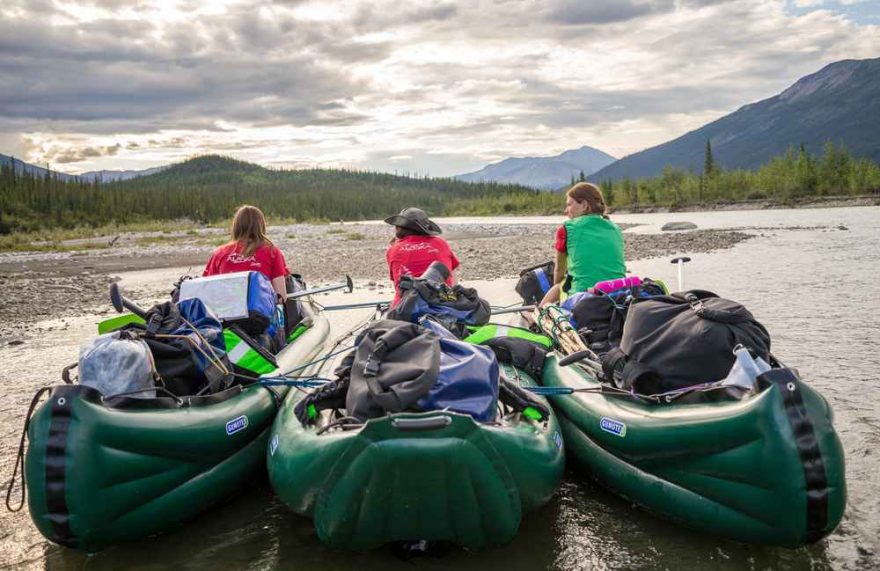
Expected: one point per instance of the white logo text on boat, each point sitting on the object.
(237, 424)
(615, 427)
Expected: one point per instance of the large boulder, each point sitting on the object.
(673, 226)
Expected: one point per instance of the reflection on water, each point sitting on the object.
(816, 291)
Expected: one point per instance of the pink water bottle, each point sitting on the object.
(611, 285)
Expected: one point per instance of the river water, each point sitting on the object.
(809, 275)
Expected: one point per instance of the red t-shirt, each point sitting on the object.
(266, 259)
(561, 239)
(411, 256)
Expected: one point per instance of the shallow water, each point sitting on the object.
(814, 288)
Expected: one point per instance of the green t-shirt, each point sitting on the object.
(594, 247)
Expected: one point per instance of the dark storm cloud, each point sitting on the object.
(375, 18)
(595, 12)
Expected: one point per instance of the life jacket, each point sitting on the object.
(516, 346)
(595, 250)
(246, 355)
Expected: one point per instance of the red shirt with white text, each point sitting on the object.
(412, 255)
(227, 259)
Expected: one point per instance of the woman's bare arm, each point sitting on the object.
(279, 284)
(561, 267)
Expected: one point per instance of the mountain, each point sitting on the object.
(839, 103)
(112, 176)
(21, 166)
(542, 172)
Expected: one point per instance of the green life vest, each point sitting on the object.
(481, 334)
(252, 360)
(594, 247)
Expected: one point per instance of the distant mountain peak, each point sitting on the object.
(542, 172)
(839, 103)
(830, 76)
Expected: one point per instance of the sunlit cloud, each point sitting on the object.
(425, 87)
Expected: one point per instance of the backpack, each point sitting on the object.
(680, 340)
(294, 310)
(179, 350)
(599, 318)
(454, 306)
(400, 366)
(535, 282)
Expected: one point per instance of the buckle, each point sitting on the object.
(695, 303)
(371, 367)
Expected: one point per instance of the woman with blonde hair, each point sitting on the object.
(589, 246)
(250, 250)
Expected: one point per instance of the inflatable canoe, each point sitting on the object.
(768, 469)
(412, 476)
(99, 472)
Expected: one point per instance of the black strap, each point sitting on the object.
(519, 399)
(19, 459)
(61, 401)
(815, 477)
(566, 283)
(535, 267)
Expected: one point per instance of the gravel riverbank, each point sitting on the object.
(60, 284)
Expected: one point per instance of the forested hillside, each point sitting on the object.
(207, 189)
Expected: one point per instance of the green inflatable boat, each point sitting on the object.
(102, 472)
(768, 469)
(416, 476)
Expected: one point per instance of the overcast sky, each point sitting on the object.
(421, 87)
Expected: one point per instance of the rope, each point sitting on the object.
(19, 459)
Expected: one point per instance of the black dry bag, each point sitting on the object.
(688, 338)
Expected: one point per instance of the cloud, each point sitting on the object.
(63, 156)
(421, 85)
(596, 12)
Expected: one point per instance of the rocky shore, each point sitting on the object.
(63, 283)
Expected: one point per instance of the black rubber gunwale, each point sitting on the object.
(815, 476)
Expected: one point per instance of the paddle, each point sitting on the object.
(364, 305)
(517, 309)
(120, 302)
(575, 357)
(347, 284)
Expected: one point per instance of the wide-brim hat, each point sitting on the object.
(414, 219)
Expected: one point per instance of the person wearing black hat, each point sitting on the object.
(415, 246)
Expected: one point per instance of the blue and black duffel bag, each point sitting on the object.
(400, 366)
(535, 282)
(429, 295)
